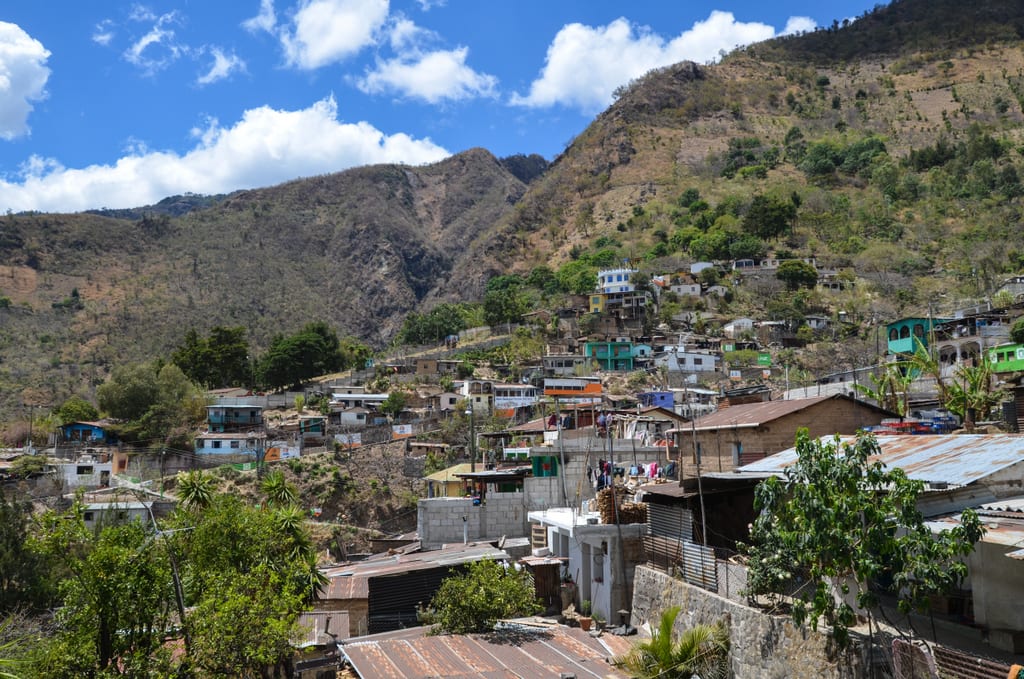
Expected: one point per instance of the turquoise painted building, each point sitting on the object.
(611, 355)
(905, 333)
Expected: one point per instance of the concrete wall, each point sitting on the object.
(440, 520)
(996, 582)
(763, 646)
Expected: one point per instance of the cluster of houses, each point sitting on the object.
(585, 486)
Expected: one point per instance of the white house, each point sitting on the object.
(88, 471)
(616, 280)
(238, 443)
(735, 328)
(678, 359)
(596, 553)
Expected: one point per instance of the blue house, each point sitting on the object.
(94, 433)
(234, 418)
(657, 399)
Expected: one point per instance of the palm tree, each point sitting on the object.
(702, 650)
(195, 489)
(279, 492)
(971, 394)
(890, 388)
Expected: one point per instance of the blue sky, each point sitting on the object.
(111, 104)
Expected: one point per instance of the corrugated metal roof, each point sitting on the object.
(955, 459)
(320, 628)
(749, 415)
(1013, 504)
(351, 581)
(521, 652)
(449, 473)
(999, 530)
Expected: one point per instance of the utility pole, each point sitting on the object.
(472, 437)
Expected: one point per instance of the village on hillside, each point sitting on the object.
(616, 496)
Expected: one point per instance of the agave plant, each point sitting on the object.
(195, 489)
(702, 650)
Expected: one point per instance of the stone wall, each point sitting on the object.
(763, 646)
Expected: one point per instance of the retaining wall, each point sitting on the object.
(763, 646)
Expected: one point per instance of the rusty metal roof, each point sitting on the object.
(320, 628)
(352, 581)
(954, 459)
(518, 651)
(1004, 524)
(749, 415)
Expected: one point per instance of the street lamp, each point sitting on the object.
(472, 438)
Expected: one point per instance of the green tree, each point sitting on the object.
(247, 573)
(394, 404)
(768, 217)
(116, 601)
(433, 326)
(243, 625)
(76, 409)
(505, 306)
(220, 360)
(159, 402)
(700, 651)
(487, 592)
(1017, 331)
(129, 392)
(23, 581)
(797, 274)
(838, 520)
(577, 277)
(313, 351)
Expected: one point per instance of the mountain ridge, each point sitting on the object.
(364, 247)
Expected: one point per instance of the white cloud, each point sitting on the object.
(103, 33)
(329, 31)
(799, 25)
(157, 48)
(23, 76)
(266, 20)
(404, 34)
(427, 5)
(265, 147)
(223, 66)
(585, 64)
(432, 77)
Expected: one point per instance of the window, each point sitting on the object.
(698, 361)
(215, 444)
(894, 335)
(698, 454)
(88, 516)
(918, 330)
(84, 470)
(235, 444)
